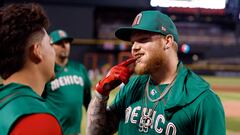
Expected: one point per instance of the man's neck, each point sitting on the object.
(28, 77)
(166, 74)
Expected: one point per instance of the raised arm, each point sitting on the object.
(101, 119)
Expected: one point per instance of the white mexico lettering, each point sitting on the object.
(133, 115)
(162, 119)
(66, 81)
(169, 127)
(127, 114)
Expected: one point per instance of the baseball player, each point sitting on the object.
(26, 64)
(70, 90)
(164, 97)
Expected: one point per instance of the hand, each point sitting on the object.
(117, 74)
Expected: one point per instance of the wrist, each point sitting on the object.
(101, 96)
(100, 89)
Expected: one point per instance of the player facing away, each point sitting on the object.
(164, 97)
(70, 89)
(26, 64)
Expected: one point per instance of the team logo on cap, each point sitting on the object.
(137, 19)
(163, 28)
(62, 33)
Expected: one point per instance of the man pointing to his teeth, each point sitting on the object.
(164, 97)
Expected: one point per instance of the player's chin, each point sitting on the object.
(52, 77)
(64, 55)
(139, 69)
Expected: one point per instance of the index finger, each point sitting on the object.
(128, 61)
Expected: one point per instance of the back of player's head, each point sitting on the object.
(20, 25)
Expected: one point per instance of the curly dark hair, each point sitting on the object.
(17, 24)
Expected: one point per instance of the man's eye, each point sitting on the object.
(144, 40)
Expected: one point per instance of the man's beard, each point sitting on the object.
(150, 65)
(140, 70)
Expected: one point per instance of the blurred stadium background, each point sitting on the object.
(209, 38)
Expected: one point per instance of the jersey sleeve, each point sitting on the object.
(37, 124)
(210, 117)
(87, 87)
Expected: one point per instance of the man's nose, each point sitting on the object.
(64, 44)
(136, 47)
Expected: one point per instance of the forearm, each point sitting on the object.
(101, 121)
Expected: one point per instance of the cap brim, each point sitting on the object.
(125, 33)
(69, 39)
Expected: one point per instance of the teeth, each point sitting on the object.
(138, 56)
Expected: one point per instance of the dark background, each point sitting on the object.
(212, 35)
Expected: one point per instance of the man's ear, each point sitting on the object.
(35, 53)
(169, 40)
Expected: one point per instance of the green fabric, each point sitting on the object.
(59, 35)
(189, 108)
(18, 100)
(151, 21)
(66, 95)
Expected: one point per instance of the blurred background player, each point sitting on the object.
(71, 89)
(164, 98)
(26, 64)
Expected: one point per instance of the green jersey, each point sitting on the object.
(66, 94)
(189, 108)
(17, 100)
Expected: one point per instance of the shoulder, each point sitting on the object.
(22, 96)
(197, 85)
(210, 98)
(33, 124)
(205, 105)
(15, 96)
(207, 102)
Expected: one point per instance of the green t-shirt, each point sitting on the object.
(66, 95)
(189, 108)
(17, 100)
